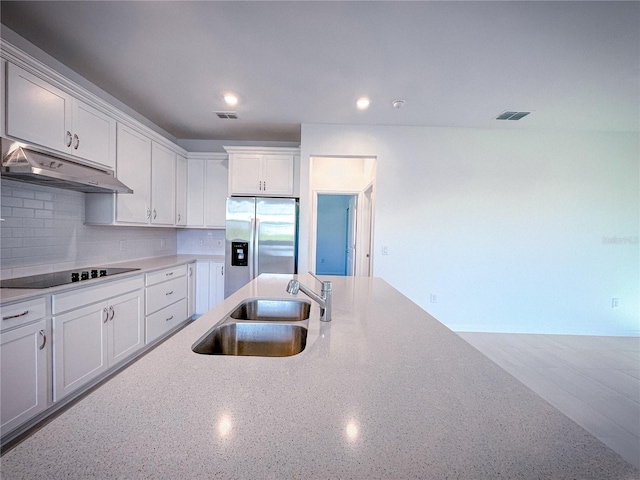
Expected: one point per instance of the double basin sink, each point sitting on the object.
(265, 327)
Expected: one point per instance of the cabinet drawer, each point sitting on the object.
(167, 274)
(21, 313)
(88, 295)
(161, 322)
(163, 294)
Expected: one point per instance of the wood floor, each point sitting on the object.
(595, 381)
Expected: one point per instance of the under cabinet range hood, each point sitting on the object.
(28, 164)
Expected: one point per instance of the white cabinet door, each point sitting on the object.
(23, 357)
(37, 111)
(191, 290)
(245, 174)
(79, 347)
(195, 195)
(162, 185)
(94, 135)
(181, 190)
(215, 202)
(216, 284)
(207, 192)
(209, 285)
(134, 170)
(125, 327)
(277, 174)
(202, 287)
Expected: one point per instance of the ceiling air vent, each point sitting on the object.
(509, 115)
(227, 115)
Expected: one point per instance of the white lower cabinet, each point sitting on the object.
(209, 285)
(166, 301)
(23, 374)
(89, 340)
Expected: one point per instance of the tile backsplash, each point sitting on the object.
(43, 231)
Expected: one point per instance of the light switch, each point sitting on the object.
(385, 250)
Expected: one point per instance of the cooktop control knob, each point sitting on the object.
(75, 277)
(84, 276)
(103, 273)
(94, 273)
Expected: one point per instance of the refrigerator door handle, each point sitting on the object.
(252, 250)
(256, 249)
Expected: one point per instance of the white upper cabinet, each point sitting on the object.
(134, 170)
(39, 113)
(263, 172)
(206, 190)
(149, 169)
(163, 184)
(181, 191)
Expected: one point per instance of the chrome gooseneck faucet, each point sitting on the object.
(324, 299)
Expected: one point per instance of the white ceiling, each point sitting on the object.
(575, 64)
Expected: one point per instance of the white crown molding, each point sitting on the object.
(280, 150)
(211, 156)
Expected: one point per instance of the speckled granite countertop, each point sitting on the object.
(144, 264)
(383, 391)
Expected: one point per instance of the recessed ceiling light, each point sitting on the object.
(363, 103)
(398, 103)
(231, 99)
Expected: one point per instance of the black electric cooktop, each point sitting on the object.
(47, 280)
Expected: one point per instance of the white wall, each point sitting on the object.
(512, 230)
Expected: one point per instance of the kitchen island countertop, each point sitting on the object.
(382, 391)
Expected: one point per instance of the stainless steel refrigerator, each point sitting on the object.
(261, 237)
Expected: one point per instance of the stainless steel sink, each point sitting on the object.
(268, 309)
(253, 339)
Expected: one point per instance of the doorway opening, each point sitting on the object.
(336, 227)
(342, 215)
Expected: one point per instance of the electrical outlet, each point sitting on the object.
(615, 302)
(163, 244)
(433, 298)
(201, 242)
(123, 245)
(219, 243)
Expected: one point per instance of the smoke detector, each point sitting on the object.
(397, 103)
(512, 115)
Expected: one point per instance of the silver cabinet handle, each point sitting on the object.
(26, 312)
(155, 214)
(76, 143)
(169, 293)
(106, 315)
(169, 274)
(112, 312)
(169, 319)
(179, 217)
(222, 270)
(43, 336)
(264, 184)
(148, 212)
(69, 138)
